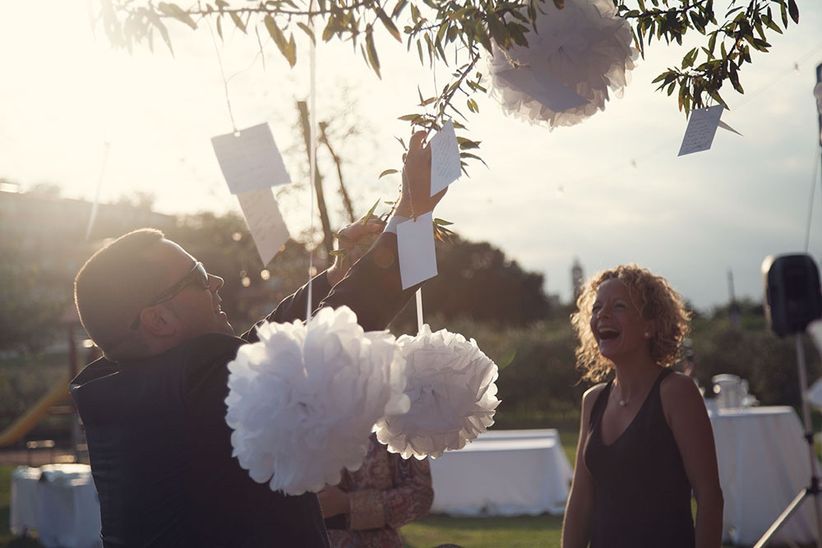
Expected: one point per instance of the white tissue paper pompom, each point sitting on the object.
(453, 396)
(304, 399)
(576, 54)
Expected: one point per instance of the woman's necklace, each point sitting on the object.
(623, 402)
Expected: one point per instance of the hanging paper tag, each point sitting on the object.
(266, 224)
(250, 160)
(415, 243)
(445, 158)
(701, 129)
(726, 127)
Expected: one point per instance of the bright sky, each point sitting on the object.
(608, 191)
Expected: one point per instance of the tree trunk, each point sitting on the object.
(328, 235)
(349, 208)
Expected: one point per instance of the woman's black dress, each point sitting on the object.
(642, 496)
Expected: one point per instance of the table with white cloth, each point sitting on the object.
(503, 473)
(58, 501)
(763, 464)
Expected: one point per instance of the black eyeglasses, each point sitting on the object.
(196, 276)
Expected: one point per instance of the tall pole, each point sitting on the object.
(734, 313)
(817, 91)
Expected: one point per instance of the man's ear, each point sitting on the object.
(158, 321)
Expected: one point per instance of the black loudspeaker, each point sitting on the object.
(792, 293)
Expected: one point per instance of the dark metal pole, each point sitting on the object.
(817, 91)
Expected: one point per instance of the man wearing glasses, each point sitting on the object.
(153, 407)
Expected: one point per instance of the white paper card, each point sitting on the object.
(415, 243)
(701, 129)
(546, 90)
(725, 126)
(251, 160)
(266, 224)
(445, 158)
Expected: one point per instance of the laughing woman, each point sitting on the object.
(645, 440)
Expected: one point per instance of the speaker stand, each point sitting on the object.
(813, 486)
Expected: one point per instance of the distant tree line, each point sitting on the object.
(479, 292)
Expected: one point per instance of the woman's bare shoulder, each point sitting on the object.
(591, 395)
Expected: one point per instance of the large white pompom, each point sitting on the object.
(576, 54)
(452, 391)
(303, 400)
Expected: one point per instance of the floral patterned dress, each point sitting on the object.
(385, 493)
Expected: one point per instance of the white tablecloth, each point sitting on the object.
(503, 473)
(763, 464)
(58, 501)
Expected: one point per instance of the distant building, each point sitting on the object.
(734, 312)
(577, 279)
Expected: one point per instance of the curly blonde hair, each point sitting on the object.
(655, 299)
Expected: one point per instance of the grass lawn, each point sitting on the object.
(526, 531)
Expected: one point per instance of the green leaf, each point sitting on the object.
(733, 76)
(387, 172)
(716, 97)
(690, 57)
(793, 9)
(238, 22)
(771, 25)
(482, 37)
(307, 30)
(466, 144)
(279, 39)
(497, 30)
(388, 24)
(291, 54)
(175, 11)
(161, 28)
(473, 157)
(371, 50)
(399, 7)
(373, 207)
(661, 77)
